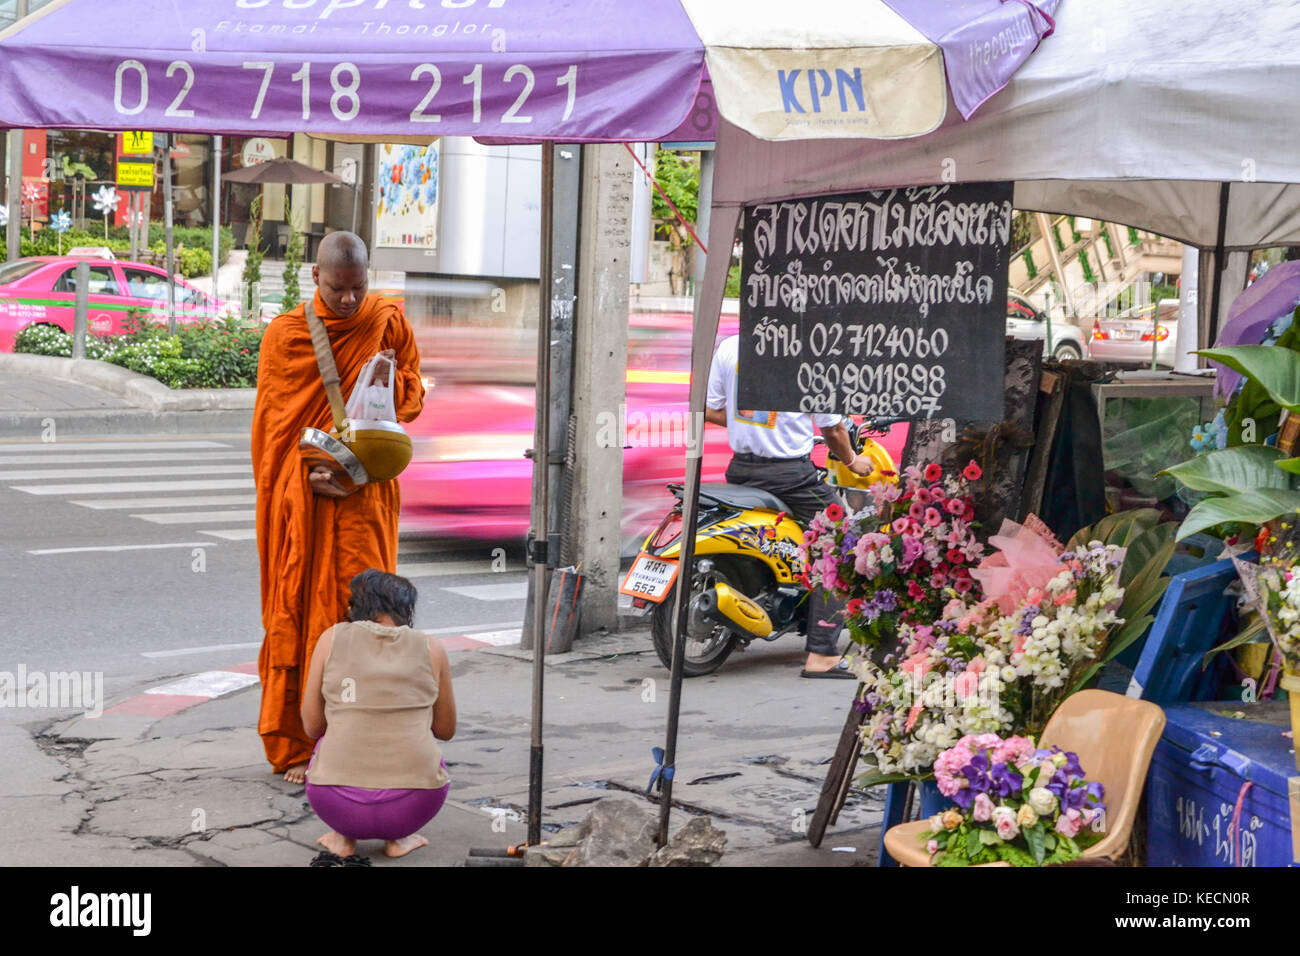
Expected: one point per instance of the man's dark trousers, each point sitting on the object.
(798, 483)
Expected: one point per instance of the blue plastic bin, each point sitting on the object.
(927, 802)
(1196, 779)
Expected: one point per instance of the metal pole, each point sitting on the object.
(131, 203)
(1216, 289)
(541, 492)
(1155, 331)
(79, 321)
(216, 212)
(14, 230)
(167, 233)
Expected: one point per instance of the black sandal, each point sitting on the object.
(355, 860)
(326, 858)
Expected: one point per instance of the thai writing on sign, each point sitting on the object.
(889, 303)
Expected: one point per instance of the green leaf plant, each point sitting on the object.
(1248, 484)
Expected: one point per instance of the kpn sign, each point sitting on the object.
(802, 94)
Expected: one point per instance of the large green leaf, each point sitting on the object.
(1147, 555)
(1253, 507)
(1232, 470)
(1277, 370)
(1116, 528)
(1290, 464)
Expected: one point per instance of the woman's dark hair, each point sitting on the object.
(378, 592)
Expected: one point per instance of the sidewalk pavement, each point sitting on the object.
(171, 777)
(85, 397)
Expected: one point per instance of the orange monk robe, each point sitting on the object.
(310, 546)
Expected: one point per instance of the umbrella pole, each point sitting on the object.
(540, 557)
(167, 230)
(216, 214)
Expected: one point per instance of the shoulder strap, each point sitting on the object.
(329, 373)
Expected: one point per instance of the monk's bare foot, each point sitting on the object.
(338, 844)
(296, 773)
(405, 845)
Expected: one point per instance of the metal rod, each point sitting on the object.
(541, 490)
(167, 233)
(1217, 288)
(216, 213)
(681, 613)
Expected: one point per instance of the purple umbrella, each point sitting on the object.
(585, 70)
(1275, 294)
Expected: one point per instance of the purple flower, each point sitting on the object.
(887, 600)
(911, 551)
(1005, 780)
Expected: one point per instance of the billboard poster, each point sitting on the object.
(406, 201)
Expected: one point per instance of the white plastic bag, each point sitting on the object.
(371, 401)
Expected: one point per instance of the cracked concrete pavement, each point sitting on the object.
(193, 789)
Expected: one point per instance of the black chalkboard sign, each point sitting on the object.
(888, 303)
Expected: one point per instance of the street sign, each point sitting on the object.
(257, 150)
(135, 174)
(137, 142)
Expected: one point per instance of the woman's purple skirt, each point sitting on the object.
(361, 814)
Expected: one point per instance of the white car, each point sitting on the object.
(1026, 321)
(1128, 338)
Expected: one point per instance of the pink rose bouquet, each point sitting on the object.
(1017, 803)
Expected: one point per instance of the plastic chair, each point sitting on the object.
(1114, 737)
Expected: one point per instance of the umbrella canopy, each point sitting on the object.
(281, 169)
(861, 68)
(578, 71)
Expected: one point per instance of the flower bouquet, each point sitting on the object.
(1273, 588)
(1001, 665)
(901, 560)
(1015, 803)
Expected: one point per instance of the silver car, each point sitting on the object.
(1027, 321)
(1130, 337)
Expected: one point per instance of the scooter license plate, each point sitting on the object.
(650, 578)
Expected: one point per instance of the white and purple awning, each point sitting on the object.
(570, 70)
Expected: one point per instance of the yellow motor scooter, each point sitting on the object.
(745, 584)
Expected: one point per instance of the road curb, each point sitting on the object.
(81, 423)
(142, 391)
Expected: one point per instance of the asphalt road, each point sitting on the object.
(136, 556)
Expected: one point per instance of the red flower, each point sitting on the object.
(834, 512)
(955, 556)
(954, 507)
(937, 581)
(937, 493)
(962, 572)
(963, 585)
(1261, 539)
(972, 472)
(933, 518)
(933, 472)
(855, 605)
(917, 511)
(888, 474)
(915, 591)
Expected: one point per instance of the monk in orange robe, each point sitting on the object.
(312, 536)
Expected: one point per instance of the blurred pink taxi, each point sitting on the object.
(469, 477)
(41, 290)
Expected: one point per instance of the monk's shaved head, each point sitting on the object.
(342, 249)
(340, 272)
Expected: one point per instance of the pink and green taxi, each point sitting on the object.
(42, 290)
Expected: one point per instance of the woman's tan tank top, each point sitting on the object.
(379, 688)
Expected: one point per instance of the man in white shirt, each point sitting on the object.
(772, 451)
